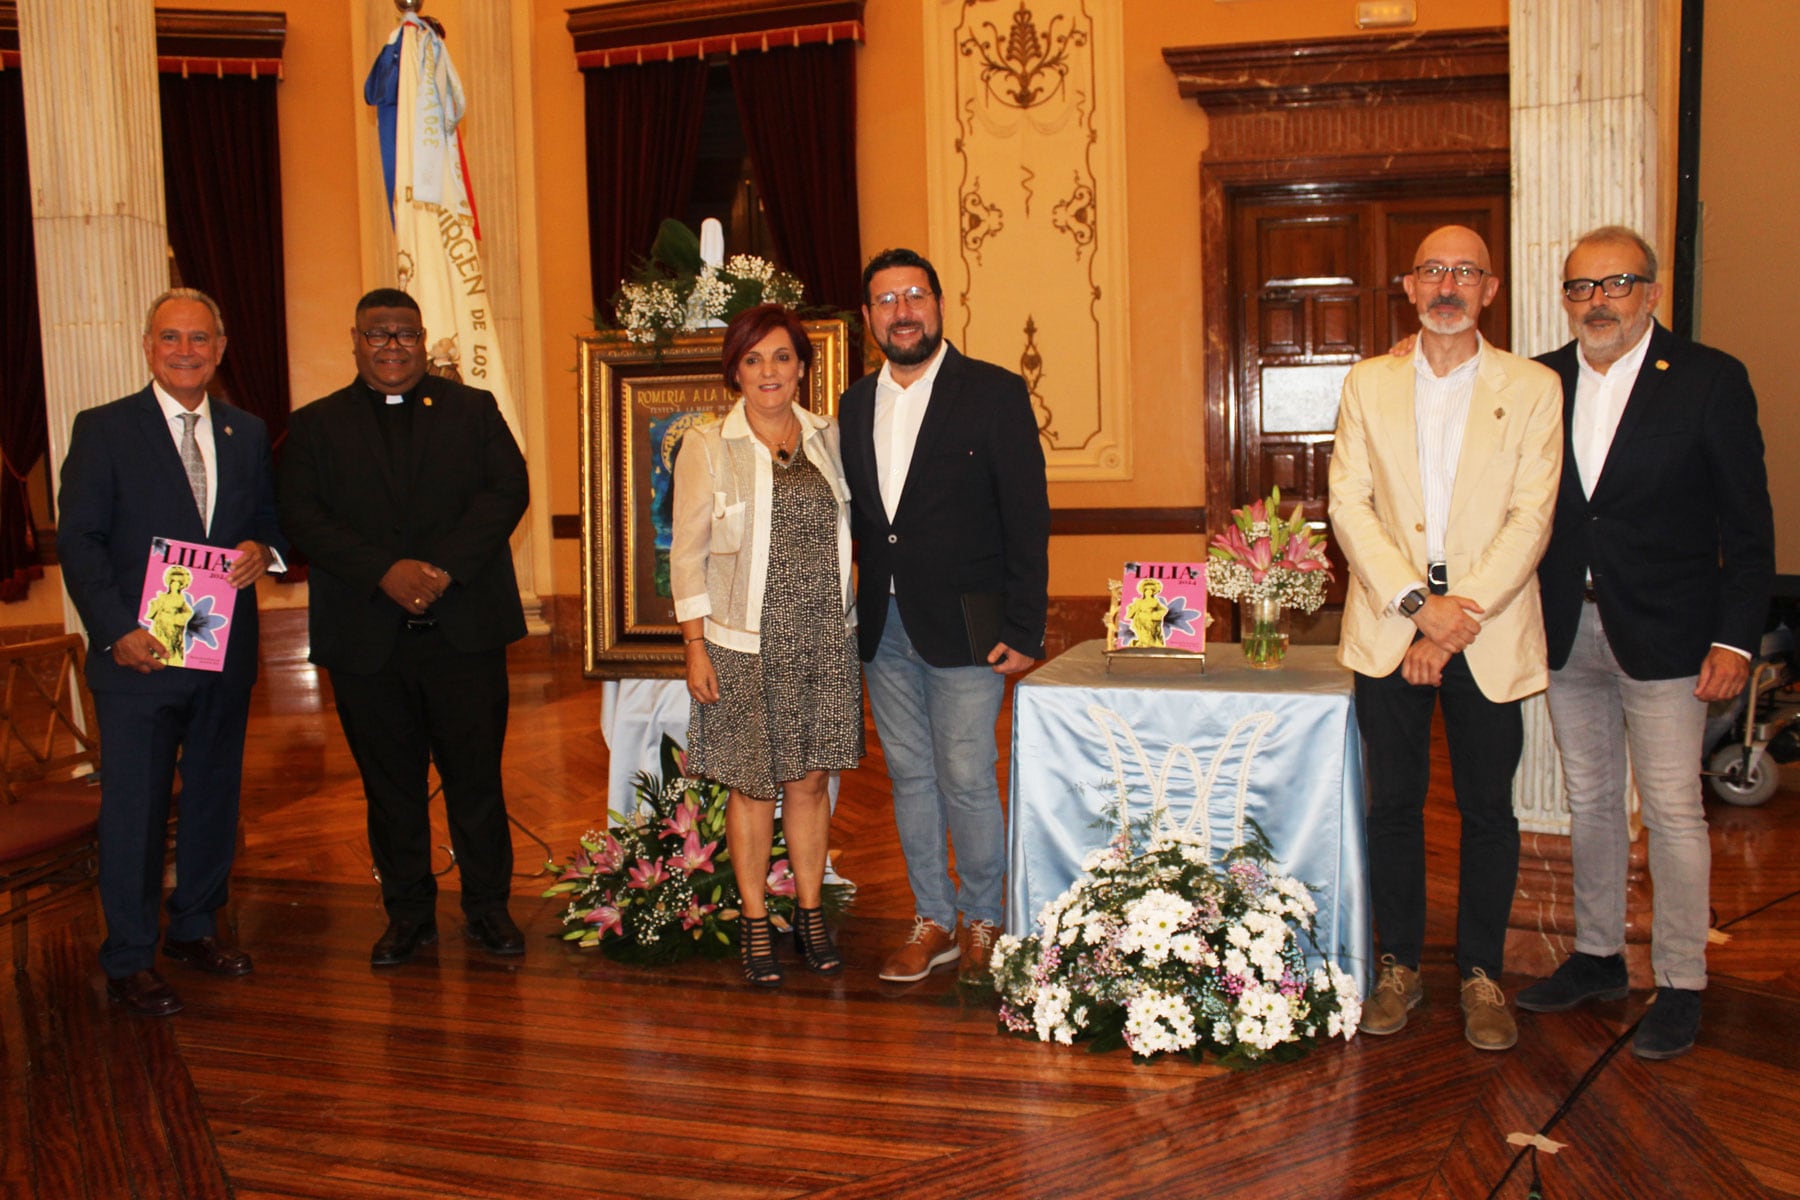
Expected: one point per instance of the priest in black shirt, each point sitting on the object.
(403, 489)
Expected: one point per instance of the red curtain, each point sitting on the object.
(222, 175)
(22, 432)
(798, 106)
(643, 135)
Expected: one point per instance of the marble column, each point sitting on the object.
(1587, 127)
(94, 129)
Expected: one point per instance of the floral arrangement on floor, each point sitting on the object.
(1167, 952)
(674, 289)
(656, 885)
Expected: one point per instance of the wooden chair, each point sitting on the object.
(49, 781)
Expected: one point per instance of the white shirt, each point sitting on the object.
(1441, 412)
(172, 411)
(1599, 403)
(899, 412)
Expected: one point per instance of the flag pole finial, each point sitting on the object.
(408, 6)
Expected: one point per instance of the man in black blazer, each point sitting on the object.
(167, 462)
(402, 489)
(952, 519)
(1655, 589)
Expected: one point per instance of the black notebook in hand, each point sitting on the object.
(983, 614)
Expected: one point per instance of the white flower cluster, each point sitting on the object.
(1168, 952)
(649, 307)
(1304, 590)
(1158, 1024)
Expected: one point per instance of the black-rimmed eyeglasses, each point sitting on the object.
(1613, 287)
(1467, 274)
(377, 338)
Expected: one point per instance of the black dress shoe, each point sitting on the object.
(496, 933)
(144, 993)
(401, 941)
(209, 956)
(1669, 1026)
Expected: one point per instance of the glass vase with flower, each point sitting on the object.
(1269, 564)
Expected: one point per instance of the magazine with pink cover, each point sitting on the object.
(1162, 605)
(188, 601)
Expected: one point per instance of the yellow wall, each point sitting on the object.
(320, 101)
(1750, 248)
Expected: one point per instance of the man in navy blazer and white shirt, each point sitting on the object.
(952, 518)
(1655, 589)
(166, 462)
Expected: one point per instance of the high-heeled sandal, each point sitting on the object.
(756, 945)
(813, 941)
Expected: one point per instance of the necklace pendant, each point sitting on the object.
(782, 454)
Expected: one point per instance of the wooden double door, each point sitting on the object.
(1316, 282)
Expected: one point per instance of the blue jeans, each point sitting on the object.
(936, 726)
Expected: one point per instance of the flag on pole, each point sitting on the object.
(419, 103)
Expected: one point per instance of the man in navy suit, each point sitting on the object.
(946, 476)
(1655, 590)
(403, 489)
(167, 462)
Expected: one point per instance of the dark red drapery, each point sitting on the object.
(643, 134)
(222, 173)
(22, 431)
(798, 107)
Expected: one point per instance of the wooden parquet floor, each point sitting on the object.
(566, 1075)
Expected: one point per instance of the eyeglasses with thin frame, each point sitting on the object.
(1613, 287)
(1467, 274)
(377, 338)
(914, 296)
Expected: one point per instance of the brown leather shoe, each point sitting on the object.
(929, 947)
(1397, 992)
(976, 942)
(144, 993)
(209, 956)
(1487, 1022)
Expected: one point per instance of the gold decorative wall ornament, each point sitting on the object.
(1026, 190)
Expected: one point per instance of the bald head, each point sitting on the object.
(1450, 304)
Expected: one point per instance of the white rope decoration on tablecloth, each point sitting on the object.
(1258, 723)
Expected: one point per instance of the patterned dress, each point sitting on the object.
(797, 706)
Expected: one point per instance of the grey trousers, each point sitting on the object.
(1596, 711)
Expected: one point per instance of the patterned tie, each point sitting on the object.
(196, 466)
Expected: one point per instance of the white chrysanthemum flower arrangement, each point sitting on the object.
(1167, 952)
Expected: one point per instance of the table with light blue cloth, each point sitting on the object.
(1279, 748)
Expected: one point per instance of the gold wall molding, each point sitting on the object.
(1025, 177)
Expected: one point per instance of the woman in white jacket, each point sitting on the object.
(760, 569)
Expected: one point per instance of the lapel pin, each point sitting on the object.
(1662, 364)
(428, 402)
(228, 431)
(1499, 413)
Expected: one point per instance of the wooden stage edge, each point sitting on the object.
(563, 1074)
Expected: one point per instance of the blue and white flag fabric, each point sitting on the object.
(419, 104)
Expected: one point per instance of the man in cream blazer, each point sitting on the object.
(1443, 484)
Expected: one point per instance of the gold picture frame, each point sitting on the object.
(636, 402)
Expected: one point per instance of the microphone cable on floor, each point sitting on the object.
(1536, 1190)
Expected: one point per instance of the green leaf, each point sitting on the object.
(678, 248)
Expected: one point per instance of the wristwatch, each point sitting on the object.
(1412, 602)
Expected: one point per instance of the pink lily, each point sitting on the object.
(686, 818)
(696, 913)
(1301, 555)
(781, 879)
(609, 857)
(607, 918)
(646, 874)
(693, 856)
